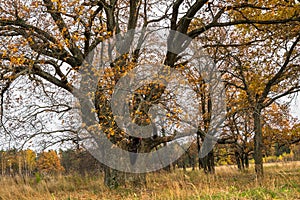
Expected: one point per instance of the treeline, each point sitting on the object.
(80, 161)
(28, 162)
(241, 156)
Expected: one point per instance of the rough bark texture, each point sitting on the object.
(208, 163)
(242, 160)
(258, 143)
(114, 178)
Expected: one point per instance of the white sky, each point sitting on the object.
(295, 107)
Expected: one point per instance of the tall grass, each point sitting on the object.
(281, 181)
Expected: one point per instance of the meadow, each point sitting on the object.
(281, 181)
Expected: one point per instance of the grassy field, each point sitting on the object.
(282, 181)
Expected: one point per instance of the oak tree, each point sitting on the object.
(47, 41)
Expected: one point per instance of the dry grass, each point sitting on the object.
(282, 181)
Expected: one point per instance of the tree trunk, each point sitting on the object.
(183, 166)
(200, 165)
(258, 143)
(246, 160)
(238, 160)
(211, 162)
(168, 167)
(242, 161)
(114, 178)
(192, 163)
(208, 163)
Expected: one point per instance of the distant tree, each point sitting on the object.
(29, 159)
(3, 156)
(189, 158)
(80, 161)
(49, 163)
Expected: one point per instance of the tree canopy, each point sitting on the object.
(44, 45)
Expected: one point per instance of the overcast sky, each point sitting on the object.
(295, 107)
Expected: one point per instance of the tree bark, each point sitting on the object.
(246, 160)
(114, 178)
(258, 143)
(238, 160)
(211, 162)
(200, 165)
(208, 163)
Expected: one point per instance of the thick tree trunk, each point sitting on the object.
(211, 162)
(192, 163)
(246, 160)
(208, 163)
(114, 178)
(258, 143)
